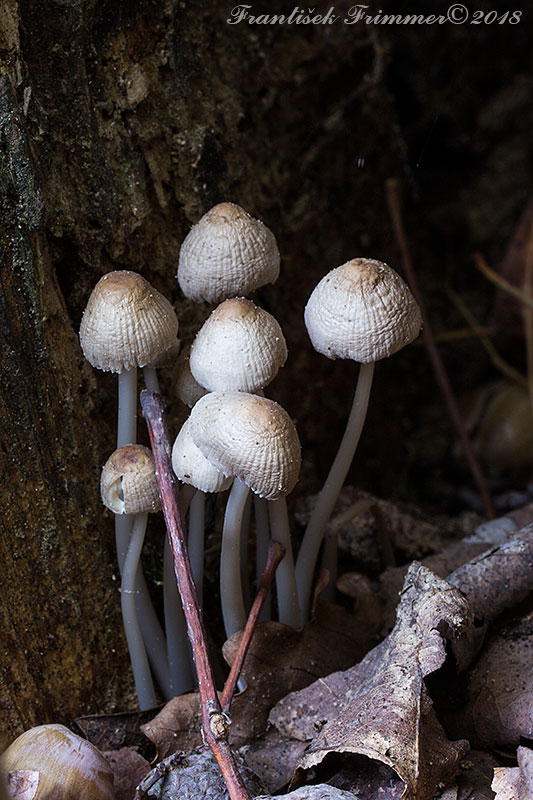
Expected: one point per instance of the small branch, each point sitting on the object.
(214, 722)
(500, 282)
(274, 556)
(393, 199)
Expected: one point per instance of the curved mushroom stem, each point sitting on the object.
(179, 661)
(329, 563)
(230, 572)
(262, 538)
(195, 541)
(139, 660)
(151, 629)
(150, 379)
(307, 555)
(288, 606)
(245, 532)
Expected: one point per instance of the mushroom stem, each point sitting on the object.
(127, 407)
(150, 379)
(230, 571)
(307, 555)
(288, 606)
(262, 539)
(196, 541)
(245, 532)
(179, 662)
(139, 660)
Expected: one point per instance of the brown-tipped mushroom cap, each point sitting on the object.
(239, 347)
(227, 253)
(128, 484)
(249, 437)
(362, 310)
(184, 383)
(127, 323)
(192, 467)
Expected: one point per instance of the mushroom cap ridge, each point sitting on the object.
(127, 323)
(227, 253)
(192, 467)
(249, 437)
(362, 310)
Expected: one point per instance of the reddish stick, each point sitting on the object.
(393, 199)
(275, 554)
(214, 722)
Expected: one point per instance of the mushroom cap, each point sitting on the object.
(227, 253)
(127, 323)
(192, 467)
(185, 385)
(128, 484)
(362, 310)
(239, 347)
(248, 437)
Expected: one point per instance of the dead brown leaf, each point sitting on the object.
(515, 783)
(380, 708)
(113, 731)
(177, 727)
(129, 768)
(22, 784)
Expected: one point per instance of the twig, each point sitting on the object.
(393, 199)
(493, 277)
(214, 722)
(275, 554)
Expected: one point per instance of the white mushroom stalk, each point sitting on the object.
(128, 487)
(254, 440)
(364, 311)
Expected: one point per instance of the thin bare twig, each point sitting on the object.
(214, 721)
(394, 202)
(493, 277)
(275, 554)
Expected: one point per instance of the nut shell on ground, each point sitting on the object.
(127, 323)
(362, 310)
(240, 347)
(192, 467)
(128, 484)
(248, 437)
(227, 253)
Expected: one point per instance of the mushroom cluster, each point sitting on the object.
(235, 438)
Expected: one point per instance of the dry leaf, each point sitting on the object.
(177, 727)
(380, 707)
(272, 758)
(515, 783)
(22, 784)
(129, 768)
(319, 792)
(113, 731)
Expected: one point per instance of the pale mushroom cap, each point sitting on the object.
(192, 467)
(185, 385)
(227, 253)
(249, 437)
(128, 484)
(239, 347)
(362, 310)
(127, 323)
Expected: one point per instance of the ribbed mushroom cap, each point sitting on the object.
(128, 484)
(127, 323)
(249, 437)
(185, 385)
(192, 467)
(227, 253)
(362, 310)
(239, 347)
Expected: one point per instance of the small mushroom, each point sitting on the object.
(68, 767)
(254, 440)
(227, 253)
(364, 311)
(128, 486)
(184, 383)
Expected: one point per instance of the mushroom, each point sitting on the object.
(184, 383)
(128, 486)
(68, 767)
(227, 253)
(254, 440)
(128, 324)
(362, 310)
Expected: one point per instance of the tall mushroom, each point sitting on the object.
(254, 440)
(362, 310)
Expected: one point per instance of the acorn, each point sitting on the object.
(69, 767)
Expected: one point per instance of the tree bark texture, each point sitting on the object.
(121, 123)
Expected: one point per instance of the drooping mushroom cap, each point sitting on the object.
(239, 347)
(185, 385)
(128, 484)
(192, 467)
(227, 253)
(127, 323)
(362, 310)
(248, 437)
